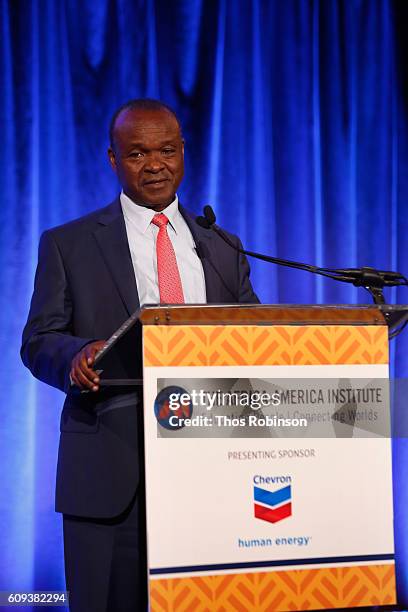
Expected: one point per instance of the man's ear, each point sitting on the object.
(182, 148)
(112, 160)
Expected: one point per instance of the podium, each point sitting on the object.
(267, 456)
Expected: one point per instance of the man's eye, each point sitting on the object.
(136, 154)
(167, 151)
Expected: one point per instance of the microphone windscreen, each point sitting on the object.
(209, 214)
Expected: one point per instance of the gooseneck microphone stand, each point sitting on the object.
(371, 279)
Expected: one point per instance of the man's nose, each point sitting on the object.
(154, 163)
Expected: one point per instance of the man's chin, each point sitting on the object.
(158, 203)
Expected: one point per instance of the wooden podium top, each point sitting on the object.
(281, 314)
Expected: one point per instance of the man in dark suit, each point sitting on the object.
(92, 274)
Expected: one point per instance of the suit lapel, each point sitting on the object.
(207, 250)
(112, 240)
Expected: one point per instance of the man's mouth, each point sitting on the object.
(156, 181)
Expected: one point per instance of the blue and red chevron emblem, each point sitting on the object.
(273, 506)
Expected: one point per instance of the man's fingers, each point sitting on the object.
(82, 373)
(87, 372)
(83, 365)
(90, 357)
(83, 382)
(93, 349)
(84, 377)
(77, 382)
(91, 352)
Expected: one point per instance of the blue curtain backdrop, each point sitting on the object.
(295, 119)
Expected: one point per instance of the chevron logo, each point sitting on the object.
(272, 506)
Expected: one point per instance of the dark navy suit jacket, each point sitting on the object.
(84, 290)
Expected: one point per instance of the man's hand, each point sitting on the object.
(82, 374)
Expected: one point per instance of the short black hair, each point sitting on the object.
(140, 104)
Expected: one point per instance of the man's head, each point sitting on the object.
(147, 152)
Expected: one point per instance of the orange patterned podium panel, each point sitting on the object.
(226, 345)
(290, 590)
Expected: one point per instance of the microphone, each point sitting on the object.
(371, 279)
(209, 218)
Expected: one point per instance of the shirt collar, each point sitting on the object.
(141, 216)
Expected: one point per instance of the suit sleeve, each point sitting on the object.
(246, 292)
(49, 345)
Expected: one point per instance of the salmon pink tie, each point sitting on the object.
(170, 287)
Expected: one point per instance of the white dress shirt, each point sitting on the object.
(142, 234)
